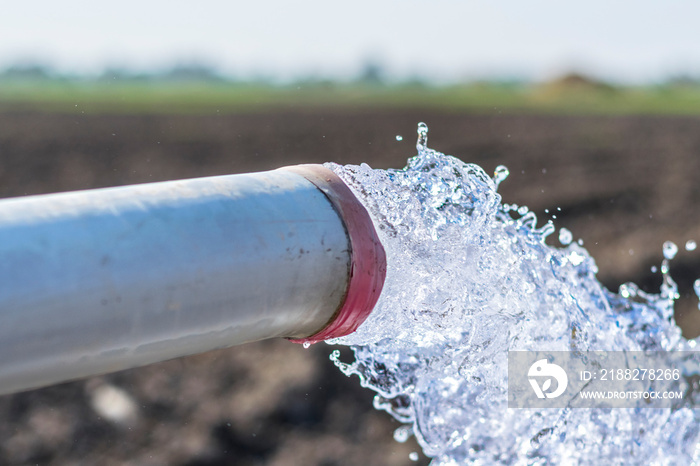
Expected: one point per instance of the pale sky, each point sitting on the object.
(445, 40)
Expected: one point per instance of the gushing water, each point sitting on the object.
(471, 278)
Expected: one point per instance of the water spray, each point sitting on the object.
(472, 282)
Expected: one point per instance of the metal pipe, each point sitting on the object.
(98, 281)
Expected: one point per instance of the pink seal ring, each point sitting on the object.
(367, 256)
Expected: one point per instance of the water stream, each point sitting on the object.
(471, 278)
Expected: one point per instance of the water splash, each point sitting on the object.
(469, 279)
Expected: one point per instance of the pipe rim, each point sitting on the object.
(367, 256)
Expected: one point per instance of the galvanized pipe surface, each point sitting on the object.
(97, 281)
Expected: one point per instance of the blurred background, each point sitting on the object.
(595, 109)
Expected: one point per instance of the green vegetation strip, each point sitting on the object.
(207, 98)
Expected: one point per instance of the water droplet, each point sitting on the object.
(690, 245)
(306, 345)
(628, 290)
(670, 249)
(654, 269)
(399, 137)
(565, 236)
(624, 292)
(696, 287)
(422, 142)
(522, 210)
(114, 404)
(500, 174)
(401, 434)
(413, 456)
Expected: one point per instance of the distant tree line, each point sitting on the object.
(372, 73)
(179, 73)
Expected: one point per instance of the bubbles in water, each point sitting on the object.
(670, 250)
(467, 281)
(422, 142)
(690, 245)
(399, 137)
(565, 236)
(413, 456)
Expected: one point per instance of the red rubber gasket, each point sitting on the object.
(367, 256)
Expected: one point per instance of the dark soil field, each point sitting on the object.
(624, 185)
